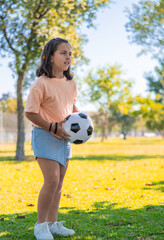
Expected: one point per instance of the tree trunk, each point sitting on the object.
(102, 133)
(162, 133)
(124, 134)
(20, 117)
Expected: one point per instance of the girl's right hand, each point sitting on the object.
(61, 132)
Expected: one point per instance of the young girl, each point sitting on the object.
(51, 99)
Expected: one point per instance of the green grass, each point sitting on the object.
(112, 190)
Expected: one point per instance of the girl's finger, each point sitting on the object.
(66, 134)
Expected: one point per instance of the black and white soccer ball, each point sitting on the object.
(79, 126)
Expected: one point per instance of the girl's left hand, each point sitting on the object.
(61, 132)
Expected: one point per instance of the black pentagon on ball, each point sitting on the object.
(78, 141)
(90, 130)
(82, 115)
(75, 127)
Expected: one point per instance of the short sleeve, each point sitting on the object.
(35, 98)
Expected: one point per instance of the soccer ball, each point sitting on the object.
(79, 126)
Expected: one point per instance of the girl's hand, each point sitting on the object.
(61, 132)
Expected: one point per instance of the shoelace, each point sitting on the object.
(45, 227)
(60, 223)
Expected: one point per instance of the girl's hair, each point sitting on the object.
(45, 67)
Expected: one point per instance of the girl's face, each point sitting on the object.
(61, 59)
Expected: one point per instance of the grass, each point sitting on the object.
(112, 190)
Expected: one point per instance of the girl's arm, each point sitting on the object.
(75, 109)
(39, 121)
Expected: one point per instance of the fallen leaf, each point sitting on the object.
(149, 208)
(77, 212)
(95, 219)
(149, 184)
(96, 187)
(142, 195)
(107, 188)
(19, 200)
(112, 224)
(30, 205)
(20, 216)
(67, 195)
(2, 219)
(69, 220)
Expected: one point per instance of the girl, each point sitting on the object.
(51, 99)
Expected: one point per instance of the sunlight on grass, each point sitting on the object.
(114, 182)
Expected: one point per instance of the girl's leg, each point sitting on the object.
(53, 210)
(51, 174)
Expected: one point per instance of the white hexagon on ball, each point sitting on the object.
(79, 126)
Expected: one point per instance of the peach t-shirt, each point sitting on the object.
(52, 98)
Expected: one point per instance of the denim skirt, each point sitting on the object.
(46, 145)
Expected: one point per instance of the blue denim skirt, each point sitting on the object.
(46, 145)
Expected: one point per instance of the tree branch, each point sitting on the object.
(41, 15)
(8, 41)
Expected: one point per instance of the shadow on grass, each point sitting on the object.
(156, 186)
(116, 157)
(104, 221)
(11, 159)
(92, 157)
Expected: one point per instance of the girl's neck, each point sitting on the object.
(58, 74)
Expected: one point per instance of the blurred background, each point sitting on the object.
(117, 63)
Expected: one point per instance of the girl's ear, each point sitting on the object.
(51, 59)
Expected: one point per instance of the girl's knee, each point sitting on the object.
(51, 185)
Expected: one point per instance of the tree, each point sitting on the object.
(9, 105)
(103, 122)
(152, 111)
(26, 26)
(156, 83)
(106, 85)
(146, 23)
(112, 95)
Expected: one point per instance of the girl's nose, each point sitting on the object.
(68, 57)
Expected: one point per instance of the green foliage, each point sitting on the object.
(106, 85)
(126, 123)
(146, 23)
(103, 122)
(156, 83)
(152, 111)
(113, 94)
(9, 105)
(26, 26)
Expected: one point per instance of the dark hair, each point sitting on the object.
(45, 67)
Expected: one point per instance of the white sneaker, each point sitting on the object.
(42, 232)
(58, 228)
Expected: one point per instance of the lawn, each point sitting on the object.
(112, 190)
